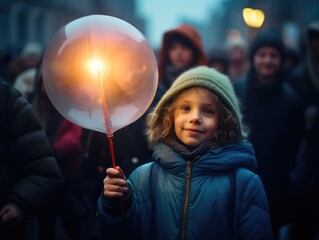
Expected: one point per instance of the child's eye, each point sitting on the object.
(208, 111)
(185, 108)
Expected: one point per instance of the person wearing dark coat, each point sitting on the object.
(273, 111)
(65, 140)
(29, 175)
(305, 81)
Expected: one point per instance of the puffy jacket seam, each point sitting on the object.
(253, 177)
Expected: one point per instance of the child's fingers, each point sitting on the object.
(115, 181)
(115, 184)
(110, 194)
(121, 171)
(115, 190)
(114, 173)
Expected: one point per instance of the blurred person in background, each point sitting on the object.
(29, 57)
(238, 58)
(305, 177)
(273, 111)
(181, 49)
(218, 59)
(29, 175)
(65, 139)
(292, 60)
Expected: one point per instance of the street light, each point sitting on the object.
(253, 17)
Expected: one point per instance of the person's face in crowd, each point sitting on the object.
(267, 62)
(314, 44)
(180, 55)
(195, 117)
(237, 58)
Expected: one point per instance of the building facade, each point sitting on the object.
(38, 20)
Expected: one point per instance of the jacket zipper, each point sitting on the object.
(188, 185)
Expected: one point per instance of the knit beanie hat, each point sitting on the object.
(207, 78)
(268, 38)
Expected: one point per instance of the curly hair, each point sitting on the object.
(161, 125)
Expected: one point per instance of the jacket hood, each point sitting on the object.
(218, 160)
(189, 33)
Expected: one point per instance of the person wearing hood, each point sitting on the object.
(202, 182)
(273, 112)
(182, 48)
(305, 81)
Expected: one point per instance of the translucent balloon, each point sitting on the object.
(100, 73)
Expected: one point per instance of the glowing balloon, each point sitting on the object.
(100, 73)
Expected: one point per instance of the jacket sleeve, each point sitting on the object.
(36, 170)
(117, 227)
(253, 211)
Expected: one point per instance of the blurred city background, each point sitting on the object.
(37, 20)
(27, 27)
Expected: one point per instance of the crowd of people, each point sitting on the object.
(246, 168)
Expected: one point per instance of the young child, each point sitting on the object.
(202, 183)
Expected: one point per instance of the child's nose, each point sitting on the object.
(195, 117)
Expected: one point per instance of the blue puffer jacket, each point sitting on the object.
(193, 199)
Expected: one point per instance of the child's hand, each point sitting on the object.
(115, 184)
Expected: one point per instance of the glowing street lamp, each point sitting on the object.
(253, 17)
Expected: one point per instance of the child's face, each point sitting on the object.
(195, 117)
(267, 61)
(180, 55)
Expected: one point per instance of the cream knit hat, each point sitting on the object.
(209, 79)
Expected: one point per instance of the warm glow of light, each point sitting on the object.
(95, 65)
(253, 17)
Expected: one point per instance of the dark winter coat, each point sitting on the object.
(273, 112)
(29, 174)
(197, 193)
(274, 116)
(305, 79)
